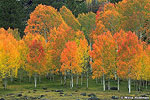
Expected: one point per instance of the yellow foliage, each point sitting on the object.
(9, 54)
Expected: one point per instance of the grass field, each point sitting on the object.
(26, 90)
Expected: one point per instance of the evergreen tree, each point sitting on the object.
(11, 14)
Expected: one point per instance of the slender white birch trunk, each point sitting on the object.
(35, 81)
(129, 83)
(108, 84)
(103, 82)
(72, 80)
(118, 84)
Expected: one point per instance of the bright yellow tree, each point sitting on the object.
(9, 55)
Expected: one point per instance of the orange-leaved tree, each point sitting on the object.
(69, 60)
(128, 48)
(134, 13)
(36, 57)
(9, 55)
(23, 50)
(119, 37)
(42, 20)
(56, 43)
(104, 57)
(110, 18)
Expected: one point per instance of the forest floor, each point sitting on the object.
(53, 90)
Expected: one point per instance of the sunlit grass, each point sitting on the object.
(26, 89)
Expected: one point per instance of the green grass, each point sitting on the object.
(24, 87)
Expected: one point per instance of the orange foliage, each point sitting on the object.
(103, 55)
(43, 19)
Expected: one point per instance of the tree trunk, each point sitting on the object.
(108, 84)
(143, 83)
(115, 75)
(20, 78)
(61, 81)
(87, 80)
(71, 80)
(103, 82)
(5, 83)
(139, 85)
(129, 85)
(50, 77)
(136, 85)
(77, 81)
(39, 78)
(96, 80)
(35, 80)
(81, 79)
(146, 84)
(64, 79)
(118, 84)
(90, 57)
(11, 78)
(29, 78)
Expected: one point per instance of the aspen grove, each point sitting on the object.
(112, 44)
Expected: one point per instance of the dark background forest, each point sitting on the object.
(15, 13)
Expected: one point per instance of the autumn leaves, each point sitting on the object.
(58, 43)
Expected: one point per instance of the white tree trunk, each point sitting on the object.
(129, 85)
(108, 84)
(118, 84)
(72, 81)
(115, 75)
(35, 81)
(103, 82)
(90, 57)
